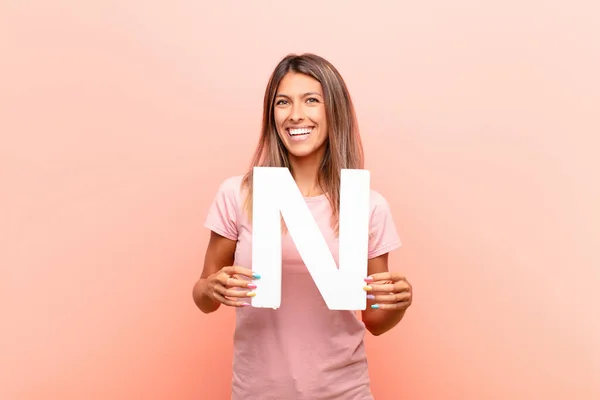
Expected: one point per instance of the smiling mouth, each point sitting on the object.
(296, 132)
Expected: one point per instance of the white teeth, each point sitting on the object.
(300, 131)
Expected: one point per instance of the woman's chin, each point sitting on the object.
(304, 154)
(305, 150)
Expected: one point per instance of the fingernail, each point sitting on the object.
(370, 296)
(252, 286)
(251, 294)
(255, 275)
(375, 306)
(246, 304)
(368, 279)
(367, 288)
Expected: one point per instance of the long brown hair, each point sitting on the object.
(343, 147)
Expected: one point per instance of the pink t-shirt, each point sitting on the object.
(302, 350)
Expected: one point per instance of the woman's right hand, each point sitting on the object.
(226, 287)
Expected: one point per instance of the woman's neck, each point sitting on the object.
(305, 171)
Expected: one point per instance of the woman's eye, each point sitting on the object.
(280, 102)
(312, 100)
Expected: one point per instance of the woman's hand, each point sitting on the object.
(226, 287)
(389, 291)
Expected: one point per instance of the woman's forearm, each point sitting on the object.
(379, 322)
(203, 302)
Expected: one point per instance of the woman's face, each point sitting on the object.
(300, 116)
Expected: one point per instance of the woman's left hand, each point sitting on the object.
(389, 291)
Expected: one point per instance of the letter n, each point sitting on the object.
(276, 195)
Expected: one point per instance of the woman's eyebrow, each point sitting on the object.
(304, 95)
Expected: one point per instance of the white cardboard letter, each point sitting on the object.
(276, 195)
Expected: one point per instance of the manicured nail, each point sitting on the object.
(251, 294)
(255, 275)
(246, 304)
(367, 288)
(368, 279)
(251, 286)
(375, 306)
(370, 296)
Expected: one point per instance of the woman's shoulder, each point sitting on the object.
(229, 193)
(231, 185)
(378, 201)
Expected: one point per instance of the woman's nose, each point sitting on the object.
(296, 114)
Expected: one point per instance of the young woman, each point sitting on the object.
(302, 350)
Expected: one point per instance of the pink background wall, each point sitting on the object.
(119, 119)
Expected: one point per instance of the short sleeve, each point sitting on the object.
(383, 236)
(223, 212)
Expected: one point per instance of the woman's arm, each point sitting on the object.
(219, 253)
